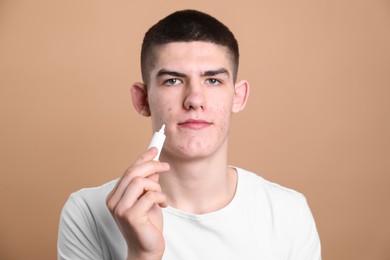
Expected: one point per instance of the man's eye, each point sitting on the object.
(213, 81)
(172, 82)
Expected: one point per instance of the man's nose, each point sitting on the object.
(195, 96)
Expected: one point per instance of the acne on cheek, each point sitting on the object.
(161, 114)
(225, 120)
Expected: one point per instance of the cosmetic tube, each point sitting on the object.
(158, 141)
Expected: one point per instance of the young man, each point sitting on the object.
(190, 204)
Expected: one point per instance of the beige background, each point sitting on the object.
(317, 120)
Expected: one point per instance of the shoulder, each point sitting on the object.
(286, 208)
(277, 193)
(84, 224)
(87, 202)
(93, 194)
(285, 211)
(283, 205)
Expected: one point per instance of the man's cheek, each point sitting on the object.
(162, 114)
(223, 113)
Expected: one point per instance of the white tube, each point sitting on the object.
(158, 141)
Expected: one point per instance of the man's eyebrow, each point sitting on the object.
(209, 73)
(163, 72)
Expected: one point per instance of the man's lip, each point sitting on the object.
(195, 123)
(190, 121)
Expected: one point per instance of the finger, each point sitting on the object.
(154, 177)
(140, 210)
(146, 156)
(137, 187)
(143, 170)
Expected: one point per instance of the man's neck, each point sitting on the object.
(199, 186)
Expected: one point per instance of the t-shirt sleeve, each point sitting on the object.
(307, 244)
(77, 236)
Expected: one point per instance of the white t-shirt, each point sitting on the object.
(263, 221)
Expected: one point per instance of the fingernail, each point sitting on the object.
(165, 165)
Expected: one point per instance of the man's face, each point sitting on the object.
(191, 91)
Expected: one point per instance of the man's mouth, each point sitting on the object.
(195, 124)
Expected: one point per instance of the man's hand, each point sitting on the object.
(135, 205)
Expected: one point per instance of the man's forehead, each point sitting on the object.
(176, 55)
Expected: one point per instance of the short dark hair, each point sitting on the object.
(187, 26)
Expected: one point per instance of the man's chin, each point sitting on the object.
(188, 155)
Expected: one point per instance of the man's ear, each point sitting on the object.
(139, 96)
(241, 94)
